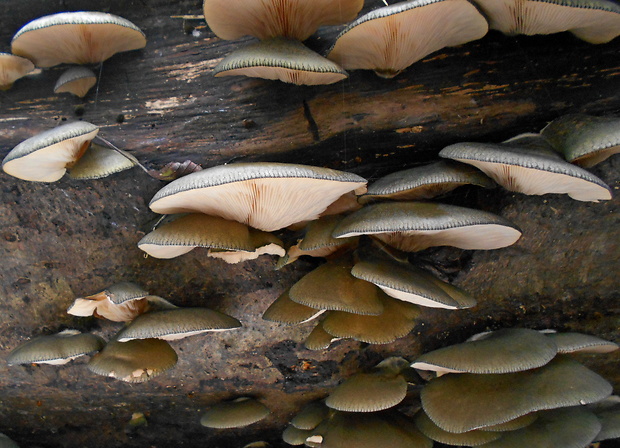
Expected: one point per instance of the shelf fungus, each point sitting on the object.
(228, 240)
(55, 349)
(415, 226)
(77, 81)
(134, 361)
(12, 68)
(584, 140)
(319, 339)
(266, 196)
(81, 37)
(470, 438)
(390, 39)
(283, 310)
(237, 413)
(595, 21)
(178, 323)
(310, 416)
(281, 59)
(527, 164)
(581, 343)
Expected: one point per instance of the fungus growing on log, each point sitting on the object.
(76, 80)
(283, 310)
(12, 68)
(237, 413)
(55, 349)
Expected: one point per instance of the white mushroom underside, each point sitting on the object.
(393, 43)
(59, 361)
(229, 256)
(414, 298)
(299, 77)
(78, 87)
(543, 17)
(176, 336)
(124, 312)
(265, 204)
(537, 182)
(435, 368)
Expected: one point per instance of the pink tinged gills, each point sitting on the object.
(12, 68)
(121, 302)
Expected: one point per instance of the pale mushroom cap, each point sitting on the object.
(470, 438)
(502, 351)
(121, 302)
(294, 19)
(235, 414)
(176, 324)
(368, 392)
(285, 60)
(55, 349)
(523, 170)
(12, 68)
(283, 310)
(81, 37)
(76, 80)
(266, 196)
(460, 402)
(414, 226)
(310, 416)
(391, 38)
(134, 361)
(99, 162)
(583, 343)
(220, 235)
(46, 156)
(595, 21)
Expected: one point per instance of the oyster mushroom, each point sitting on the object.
(283, 310)
(76, 80)
(581, 343)
(310, 416)
(475, 437)
(319, 339)
(99, 161)
(237, 413)
(12, 68)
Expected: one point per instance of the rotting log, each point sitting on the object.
(73, 238)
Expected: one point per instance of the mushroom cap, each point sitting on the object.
(319, 339)
(46, 156)
(609, 416)
(595, 21)
(6, 442)
(517, 167)
(460, 402)
(470, 438)
(295, 436)
(283, 310)
(294, 19)
(501, 351)
(584, 139)
(176, 324)
(414, 226)
(99, 162)
(512, 425)
(310, 416)
(332, 287)
(235, 414)
(425, 182)
(81, 37)
(390, 39)
(229, 240)
(55, 349)
(134, 361)
(583, 343)
(368, 392)
(280, 59)
(121, 302)
(12, 68)
(76, 80)
(266, 196)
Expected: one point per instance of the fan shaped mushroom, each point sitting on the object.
(583, 343)
(76, 80)
(319, 339)
(475, 437)
(283, 310)
(310, 416)
(237, 413)
(100, 161)
(12, 68)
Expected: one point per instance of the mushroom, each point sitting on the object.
(390, 39)
(295, 436)
(475, 437)
(99, 162)
(310, 416)
(583, 139)
(582, 343)
(46, 156)
(228, 240)
(6, 442)
(12, 68)
(283, 310)
(514, 424)
(266, 196)
(177, 323)
(237, 413)
(527, 164)
(319, 339)
(595, 21)
(608, 413)
(281, 59)
(76, 80)
(56, 349)
(81, 37)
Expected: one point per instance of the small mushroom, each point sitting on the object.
(12, 68)
(237, 413)
(76, 80)
(99, 162)
(319, 339)
(581, 343)
(283, 310)
(475, 437)
(310, 416)
(514, 424)
(295, 436)
(121, 302)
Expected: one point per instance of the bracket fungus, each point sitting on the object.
(283, 310)
(76, 80)
(319, 339)
(475, 437)
(81, 37)
(266, 196)
(390, 39)
(12, 68)
(310, 416)
(581, 343)
(237, 413)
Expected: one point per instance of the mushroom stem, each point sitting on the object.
(123, 153)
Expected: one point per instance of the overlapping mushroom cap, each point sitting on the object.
(12, 68)
(235, 414)
(475, 437)
(583, 343)
(389, 39)
(310, 416)
(82, 37)
(99, 161)
(76, 80)
(284, 310)
(266, 196)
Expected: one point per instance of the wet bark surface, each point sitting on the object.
(73, 238)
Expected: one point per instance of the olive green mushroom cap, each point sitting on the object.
(46, 156)
(390, 39)
(595, 21)
(609, 416)
(99, 162)
(266, 196)
(584, 139)
(517, 166)
(512, 425)
(55, 349)
(460, 402)
(259, 444)
(295, 436)
(319, 339)
(283, 310)
(280, 59)
(6, 442)
(121, 302)
(176, 324)
(12, 68)
(583, 343)
(425, 182)
(228, 240)
(501, 351)
(310, 416)
(134, 361)
(476, 437)
(81, 37)
(76, 80)
(415, 226)
(294, 19)
(235, 414)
